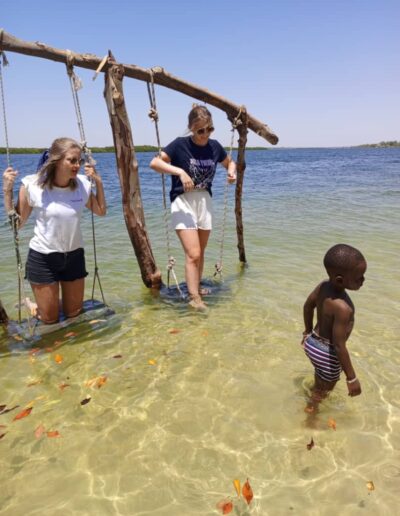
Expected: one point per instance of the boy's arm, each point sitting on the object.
(308, 310)
(342, 320)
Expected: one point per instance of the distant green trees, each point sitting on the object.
(382, 144)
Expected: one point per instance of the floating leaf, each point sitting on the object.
(247, 492)
(236, 484)
(63, 386)
(3, 409)
(370, 486)
(117, 356)
(310, 445)
(70, 334)
(332, 423)
(39, 431)
(23, 413)
(2, 435)
(95, 321)
(34, 382)
(86, 400)
(226, 506)
(58, 358)
(152, 362)
(101, 380)
(205, 333)
(53, 433)
(174, 331)
(3, 426)
(17, 337)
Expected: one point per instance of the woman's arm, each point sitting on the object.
(230, 166)
(96, 203)
(162, 164)
(23, 209)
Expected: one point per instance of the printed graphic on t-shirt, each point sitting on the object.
(202, 172)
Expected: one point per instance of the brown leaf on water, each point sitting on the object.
(370, 486)
(2, 435)
(23, 413)
(332, 423)
(3, 426)
(174, 331)
(236, 484)
(247, 492)
(310, 445)
(4, 411)
(86, 400)
(58, 358)
(39, 431)
(53, 433)
(225, 506)
(101, 380)
(205, 333)
(117, 356)
(63, 386)
(70, 334)
(17, 337)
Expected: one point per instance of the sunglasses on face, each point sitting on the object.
(76, 161)
(205, 130)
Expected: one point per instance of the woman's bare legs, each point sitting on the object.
(72, 296)
(46, 297)
(194, 243)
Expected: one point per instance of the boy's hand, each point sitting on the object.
(354, 388)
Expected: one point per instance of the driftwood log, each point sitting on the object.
(3, 314)
(128, 172)
(122, 134)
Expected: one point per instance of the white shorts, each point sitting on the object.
(192, 210)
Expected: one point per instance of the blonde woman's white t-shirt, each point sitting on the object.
(57, 213)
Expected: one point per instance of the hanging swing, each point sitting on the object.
(92, 309)
(153, 114)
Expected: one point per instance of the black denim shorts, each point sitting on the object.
(53, 267)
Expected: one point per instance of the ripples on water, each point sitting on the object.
(183, 414)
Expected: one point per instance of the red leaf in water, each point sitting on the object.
(23, 413)
(33, 351)
(70, 334)
(86, 400)
(226, 506)
(174, 331)
(39, 431)
(247, 492)
(63, 386)
(53, 433)
(310, 445)
(332, 423)
(101, 380)
(58, 358)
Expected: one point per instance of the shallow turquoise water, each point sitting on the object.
(182, 414)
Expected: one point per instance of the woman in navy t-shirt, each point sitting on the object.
(192, 161)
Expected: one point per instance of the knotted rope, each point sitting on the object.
(153, 114)
(219, 265)
(76, 85)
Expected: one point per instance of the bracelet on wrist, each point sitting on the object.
(352, 380)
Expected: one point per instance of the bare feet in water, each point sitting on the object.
(197, 303)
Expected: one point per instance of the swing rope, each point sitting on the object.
(13, 216)
(76, 84)
(153, 114)
(219, 265)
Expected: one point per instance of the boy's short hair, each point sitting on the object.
(342, 257)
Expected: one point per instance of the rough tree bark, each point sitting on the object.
(128, 172)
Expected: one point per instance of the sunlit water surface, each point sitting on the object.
(184, 413)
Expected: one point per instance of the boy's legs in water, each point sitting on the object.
(319, 392)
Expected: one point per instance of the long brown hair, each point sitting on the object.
(57, 151)
(198, 113)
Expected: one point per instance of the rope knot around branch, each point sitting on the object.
(153, 114)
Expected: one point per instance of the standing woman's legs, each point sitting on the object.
(46, 297)
(191, 245)
(204, 235)
(72, 296)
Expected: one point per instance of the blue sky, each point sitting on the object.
(318, 72)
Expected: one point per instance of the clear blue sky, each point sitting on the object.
(318, 72)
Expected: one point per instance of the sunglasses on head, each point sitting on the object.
(205, 130)
(76, 161)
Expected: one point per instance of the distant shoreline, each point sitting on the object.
(151, 148)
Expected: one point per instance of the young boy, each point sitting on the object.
(325, 344)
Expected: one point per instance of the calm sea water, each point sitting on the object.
(221, 397)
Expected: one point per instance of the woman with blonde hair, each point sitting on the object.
(192, 161)
(57, 195)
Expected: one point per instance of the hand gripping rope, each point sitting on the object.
(219, 266)
(153, 114)
(76, 84)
